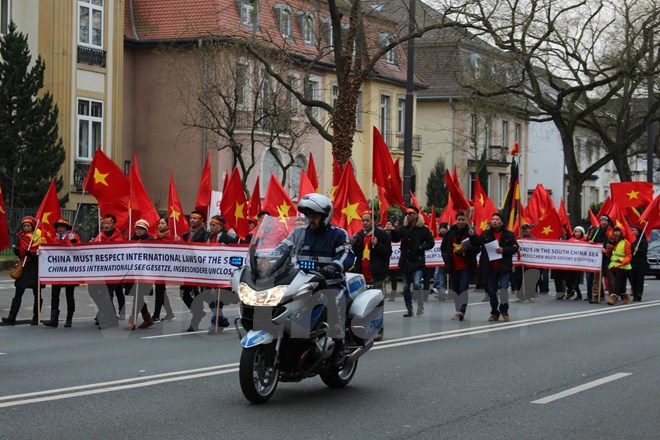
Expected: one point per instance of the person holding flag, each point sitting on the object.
(639, 263)
(29, 239)
(64, 236)
(621, 254)
(196, 234)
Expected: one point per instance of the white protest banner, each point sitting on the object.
(433, 256)
(199, 264)
(560, 254)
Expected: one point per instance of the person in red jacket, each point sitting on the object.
(573, 276)
(64, 236)
(102, 294)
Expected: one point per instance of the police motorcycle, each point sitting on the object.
(295, 323)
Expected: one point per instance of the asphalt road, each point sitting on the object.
(558, 369)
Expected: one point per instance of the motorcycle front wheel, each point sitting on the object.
(257, 373)
(340, 378)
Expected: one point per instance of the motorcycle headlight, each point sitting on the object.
(268, 297)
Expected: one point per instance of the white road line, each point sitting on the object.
(121, 381)
(174, 334)
(448, 303)
(117, 388)
(2, 354)
(580, 388)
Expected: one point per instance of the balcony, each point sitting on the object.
(395, 141)
(91, 57)
(80, 169)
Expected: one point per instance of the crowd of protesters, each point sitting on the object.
(623, 263)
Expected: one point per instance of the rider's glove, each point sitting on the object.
(329, 271)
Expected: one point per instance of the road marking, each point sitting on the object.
(480, 303)
(580, 388)
(174, 334)
(2, 354)
(110, 384)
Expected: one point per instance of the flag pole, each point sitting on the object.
(75, 217)
(373, 211)
(639, 240)
(38, 283)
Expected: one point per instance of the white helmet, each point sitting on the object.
(316, 204)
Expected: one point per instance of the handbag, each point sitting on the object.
(16, 271)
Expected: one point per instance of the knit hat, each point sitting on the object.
(142, 223)
(579, 228)
(63, 222)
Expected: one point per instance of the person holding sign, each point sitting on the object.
(619, 266)
(141, 233)
(459, 258)
(162, 300)
(196, 234)
(498, 246)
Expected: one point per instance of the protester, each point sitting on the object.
(196, 234)
(141, 233)
(102, 294)
(439, 274)
(218, 233)
(415, 239)
(64, 236)
(559, 275)
(602, 234)
(372, 249)
(639, 263)
(573, 277)
(497, 271)
(26, 250)
(392, 274)
(619, 265)
(162, 299)
(523, 293)
(459, 257)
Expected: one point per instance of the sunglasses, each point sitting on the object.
(411, 213)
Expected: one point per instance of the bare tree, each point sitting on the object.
(231, 97)
(559, 64)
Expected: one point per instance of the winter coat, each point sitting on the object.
(508, 244)
(379, 256)
(447, 247)
(415, 239)
(639, 261)
(200, 236)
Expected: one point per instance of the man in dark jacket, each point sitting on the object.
(639, 263)
(458, 257)
(196, 234)
(497, 270)
(602, 234)
(415, 238)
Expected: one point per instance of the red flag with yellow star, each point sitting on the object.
(48, 213)
(383, 206)
(311, 173)
(306, 186)
(449, 213)
(107, 182)
(141, 206)
(484, 208)
(4, 224)
(203, 202)
(277, 201)
(233, 205)
(415, 203)
(563, 216)
(631, 194)
(539, 205)
(457, 196)
(336, 176)
(592, 218)
(175, 218)
(616, 215)
(550, 227)
(650, 218)
(349, 202)
(434, 223)
(254, 205)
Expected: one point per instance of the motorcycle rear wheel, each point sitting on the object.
(257, 374)
(340, 378)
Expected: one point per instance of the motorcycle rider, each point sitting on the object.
(322, 242)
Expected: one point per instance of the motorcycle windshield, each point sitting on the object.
(271, 250)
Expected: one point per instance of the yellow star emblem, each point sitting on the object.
(481, 200)
(547, 230)
(334, 190)
(175, 214)
(350, 210)
(633, 195)
(483, 225)
(283, 209)
(44, 218)
(2, 211)
(366, 253)
(238, 211)
(100, 177)
(619, 224)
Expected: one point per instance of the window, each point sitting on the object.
(270, 165)
(327, 29)
(4, 16)
(358, 112)
(248, 12)
(312, 92)
(505, 134)
(307, 29)
(335, 96)
(401, 116)
(503, 188)
(488, 134)
(473, 130)
(286, 24)
(291, 99)
(90, 23)
(384, 114)
(90, 128)
(299, 164)
(390, 56)
(242, 86)
(517, 134)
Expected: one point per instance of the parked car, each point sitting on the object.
(653, 257)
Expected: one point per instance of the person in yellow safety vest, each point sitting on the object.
(619, 265)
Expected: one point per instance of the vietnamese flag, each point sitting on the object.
(650, 218)
(449, 213)
(140, 203)
(457, 196)
(203, 202)
(233, 205)
(539, 205)
(434, 223)
(632, 194)
(336, 176)
(484, 208)
(620, 221)
(4, 224)
(604, 209)
(175, 219)
(395, 192)
(563, 216)
(306, 186)
(383, 206)
(592, 218)
(254, 205)
(349, 203)
(277, 201)
(383, 166)
(550, 227)
(107, 183)
(311, 173)
(413, 199)
(48, 213)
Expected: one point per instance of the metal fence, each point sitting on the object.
(86, 225)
